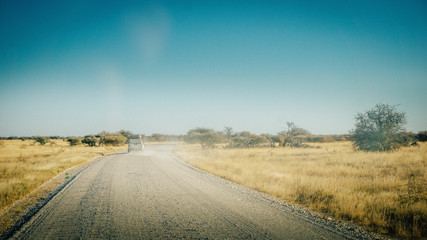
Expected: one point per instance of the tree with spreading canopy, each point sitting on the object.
(293, 136)
(207, 138)
(379, 129)
(41, 140)
(90, 140)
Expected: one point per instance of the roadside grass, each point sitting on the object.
(383, 191)
(24, 165)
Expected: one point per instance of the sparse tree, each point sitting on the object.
(101, 137)
(270, 140)
(90, 140)
(73, 141)
(41, 140)
(246, 140)
(228, 133)
(294, 136)
(378, 129)
(207, 138)
(114, 139)
(275, 139)
(126, 134)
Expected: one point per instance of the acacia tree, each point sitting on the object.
(228, 134)
(90, 140)
(207, 138)
(41, 140)
(126, 134)
(73, 141)
(378, 129)
(247, 140)
(293, 136)
(114, 139)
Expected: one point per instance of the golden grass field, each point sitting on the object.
(383, 191)
(25, 165)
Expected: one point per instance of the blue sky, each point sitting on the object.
(80, 67)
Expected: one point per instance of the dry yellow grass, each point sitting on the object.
(25, 166)
(385, 192)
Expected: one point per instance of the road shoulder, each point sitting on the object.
(13, 217)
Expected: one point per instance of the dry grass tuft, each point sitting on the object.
(385, 192)
(25, 166)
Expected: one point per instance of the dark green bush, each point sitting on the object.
(422, 136)
(73, 141)
(406, 138)
(378, 129)
(90, 140)
(41, 140)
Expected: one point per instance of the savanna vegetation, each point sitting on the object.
(380, 129)
(27, 163)
(384, 191)
(375, 176)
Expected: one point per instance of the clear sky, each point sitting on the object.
(80, 67)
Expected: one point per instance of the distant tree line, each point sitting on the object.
(378, 129)
(102, 139)
(29, 138)
(157, 137)
(292, 137)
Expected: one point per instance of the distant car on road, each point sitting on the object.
(135, 143)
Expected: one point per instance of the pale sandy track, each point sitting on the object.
(153, 195)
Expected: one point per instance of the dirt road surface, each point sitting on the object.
(153, 195)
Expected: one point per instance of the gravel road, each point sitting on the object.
(153, 195)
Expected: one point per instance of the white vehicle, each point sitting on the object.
(135, 143)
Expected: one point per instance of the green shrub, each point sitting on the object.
(378, 129)
(407, 138)
(90, 140)
(247, 140)
(41, 140)
(126, 134)
(294, 136)
(73, 141)
(422, 136)
(113, 139)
